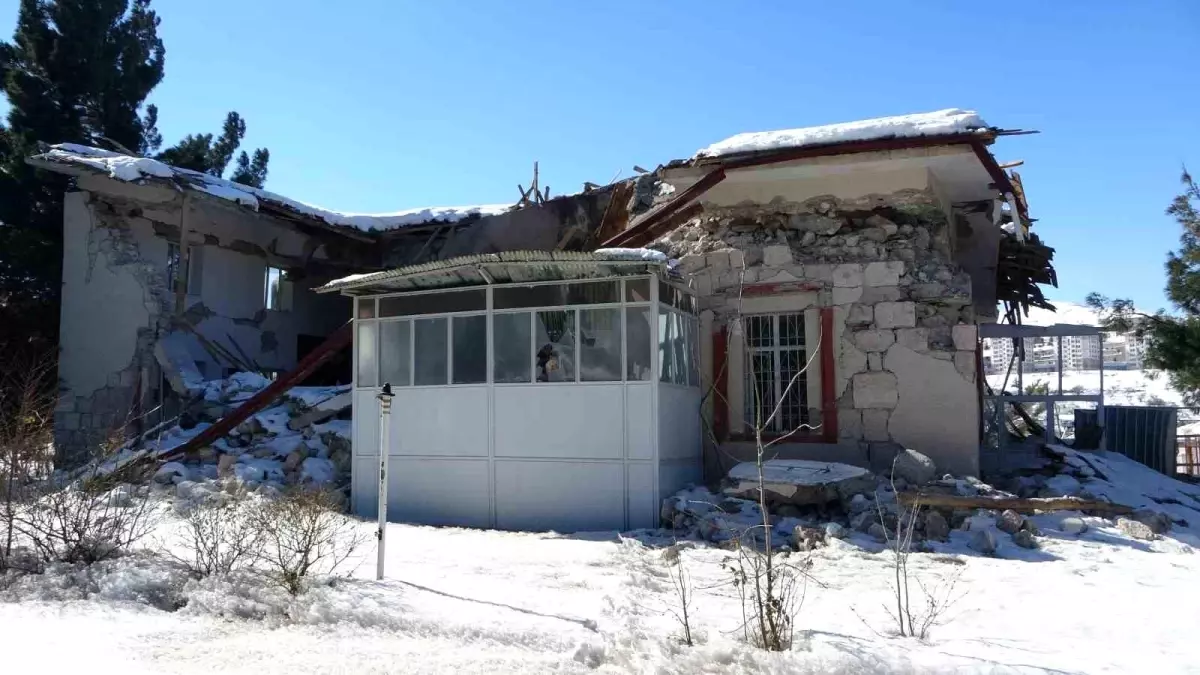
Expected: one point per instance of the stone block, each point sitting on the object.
(895, 315)
(692, 263)
(848, 275)
(964, 363)
(821, 273)
(916, 339)
(874, 361)
(850, 360)
(777, 255)
(876, 294)
(964, 336)
(874, 340)
(875, 390)
(737, 259)
(704, 284)
(846, 295)
(874, 425)
(883, 273)
(718, 262)
(850, 423)
(778, 277)
(860, 315)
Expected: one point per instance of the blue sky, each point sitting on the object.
(376, 105)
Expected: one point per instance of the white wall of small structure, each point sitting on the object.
(565, 456)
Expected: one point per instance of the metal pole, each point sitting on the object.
(385, 414)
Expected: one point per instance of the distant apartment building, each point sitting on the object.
(1079, 352)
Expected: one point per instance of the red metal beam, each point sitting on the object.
(829, 421)
(309, 364)
(636, 235)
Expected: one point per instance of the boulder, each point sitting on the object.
(1136, 530)
(1157, 521)
(1010, 522)
(878, 531)
(1073, 525)
(983, 541)
(808, 538)
(914, 467)
(170, 473)
(936, 526)
(862, 520)
(835, 531)
(1024, 539)
(1061, 485)
(225, 465)
(859, 503)
(801, 482)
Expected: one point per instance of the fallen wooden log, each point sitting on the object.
(1026, 504)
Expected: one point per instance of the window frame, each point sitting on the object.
(278, 296)
(620, 305)
(777, 350)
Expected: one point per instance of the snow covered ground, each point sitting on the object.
(473, 601)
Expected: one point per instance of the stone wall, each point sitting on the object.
(903, 314)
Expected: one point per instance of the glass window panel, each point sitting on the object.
(794, 410)
(666, 293)
(395, 342)
(555, 344)
(791, 330)
(760, 331)
(637, 290)
(594, 293)
(513, 338)
(366, 308)
(433, 303)
(639, 341)
(430, 354)
(670, 357)
(367, 347)
(470, 349)
(600, 345)
(760, 388)
(551, 295)
(683, 357)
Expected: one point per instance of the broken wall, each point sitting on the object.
(904, 333)
(117, 306)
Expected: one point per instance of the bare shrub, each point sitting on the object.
(304, 535)
(681, 582)
(78, 523)
(772, 592)
(220, 537)
(26, 436)
(936, 600)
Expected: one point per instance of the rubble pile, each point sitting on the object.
(303, 439)
(810, 503)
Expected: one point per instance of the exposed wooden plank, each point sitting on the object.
(642, 232)
(1026, 505)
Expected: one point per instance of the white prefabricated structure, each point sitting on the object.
(533, 390)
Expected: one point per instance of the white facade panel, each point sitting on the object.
(639, 421)
(365, 425)
(675, 476)
(447, 421)
(679, 433)
(439, 491)
(643, 502)
(565, 496)
(563, 421)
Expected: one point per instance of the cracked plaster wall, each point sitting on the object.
(903, 311)
(116, 303)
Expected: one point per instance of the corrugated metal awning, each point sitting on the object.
(497, 268)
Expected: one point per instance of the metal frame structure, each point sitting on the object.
(1000, 400)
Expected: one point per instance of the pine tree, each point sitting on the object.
(76, 71)
(199, 152)
(1173, 340)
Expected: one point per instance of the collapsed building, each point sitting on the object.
(838, 275)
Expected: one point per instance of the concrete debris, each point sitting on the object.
(936, 526)
(801, 482)
(1073, 525)
(1010, 522)
(1135, 529)
(1024, 539)
(808, 538)
(984, 541)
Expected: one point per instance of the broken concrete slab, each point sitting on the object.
(801, 482)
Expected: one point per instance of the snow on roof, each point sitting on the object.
(123, 167)
(941, 122)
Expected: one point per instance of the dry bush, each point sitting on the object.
(681, 583)
(304, 535)
(220, 537)
(26, 438)
(936, 600)
(772, 592)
